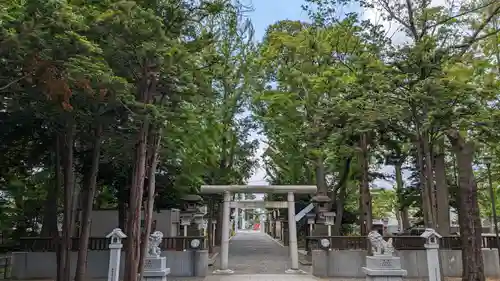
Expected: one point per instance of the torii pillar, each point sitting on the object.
(227, 190)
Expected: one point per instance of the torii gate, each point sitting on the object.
(290, 204)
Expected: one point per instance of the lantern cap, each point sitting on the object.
(118, 233)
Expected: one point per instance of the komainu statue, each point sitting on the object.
(154, 244)
(379, 245)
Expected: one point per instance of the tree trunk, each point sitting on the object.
(135, 202)
(146, 88)
(90, 183)
(426, 202)
(429, 182)
(470, 222)
(49, 227)
(76, 203)
(320, 177)
(366, 202)
(405, 220)
(123, 196)
(59, 184)
(210, 226)
(218, 225)
(339, 210)
(442, 192)
(339, 198)
(69, 183)
(399, 218)
(154, 141)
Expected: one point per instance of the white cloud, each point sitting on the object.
(389, 171)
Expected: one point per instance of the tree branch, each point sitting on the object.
(12, 83)
(462, 14)
(468, 44)
(474, 38)
(411, 20)
(386, 7)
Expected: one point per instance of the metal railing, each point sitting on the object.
(48, 244)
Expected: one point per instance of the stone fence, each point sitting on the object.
(349, 263)
(43, 265)
(35, 257)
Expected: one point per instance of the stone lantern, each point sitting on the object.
(192, 211)
(431, 237)
(186, 218)
(191, 203)
(198, 219)
(115, 248)
(321, 202)
(432, 251)
(116, 236)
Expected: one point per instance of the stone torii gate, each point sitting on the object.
(227, 190)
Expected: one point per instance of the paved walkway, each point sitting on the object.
(254, 252)
(263, 277)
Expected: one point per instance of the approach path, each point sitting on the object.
(254, 252)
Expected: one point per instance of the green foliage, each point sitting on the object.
(84, 62)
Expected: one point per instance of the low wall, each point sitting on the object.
(43, 265)
(348, 263)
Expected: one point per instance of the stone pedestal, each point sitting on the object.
(155, 269)
(383, 268)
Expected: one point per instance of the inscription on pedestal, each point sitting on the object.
(148, 264)
(113, 274)
(386, 263)
(153, 264)
(386, 268)
(382, 262)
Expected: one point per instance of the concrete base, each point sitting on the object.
(160, 276)
(381, 272)
(155, 269)
(384, 278)
(383, 268)
(223, 271)
(295, 271)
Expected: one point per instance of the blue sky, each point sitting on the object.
(267, 12)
